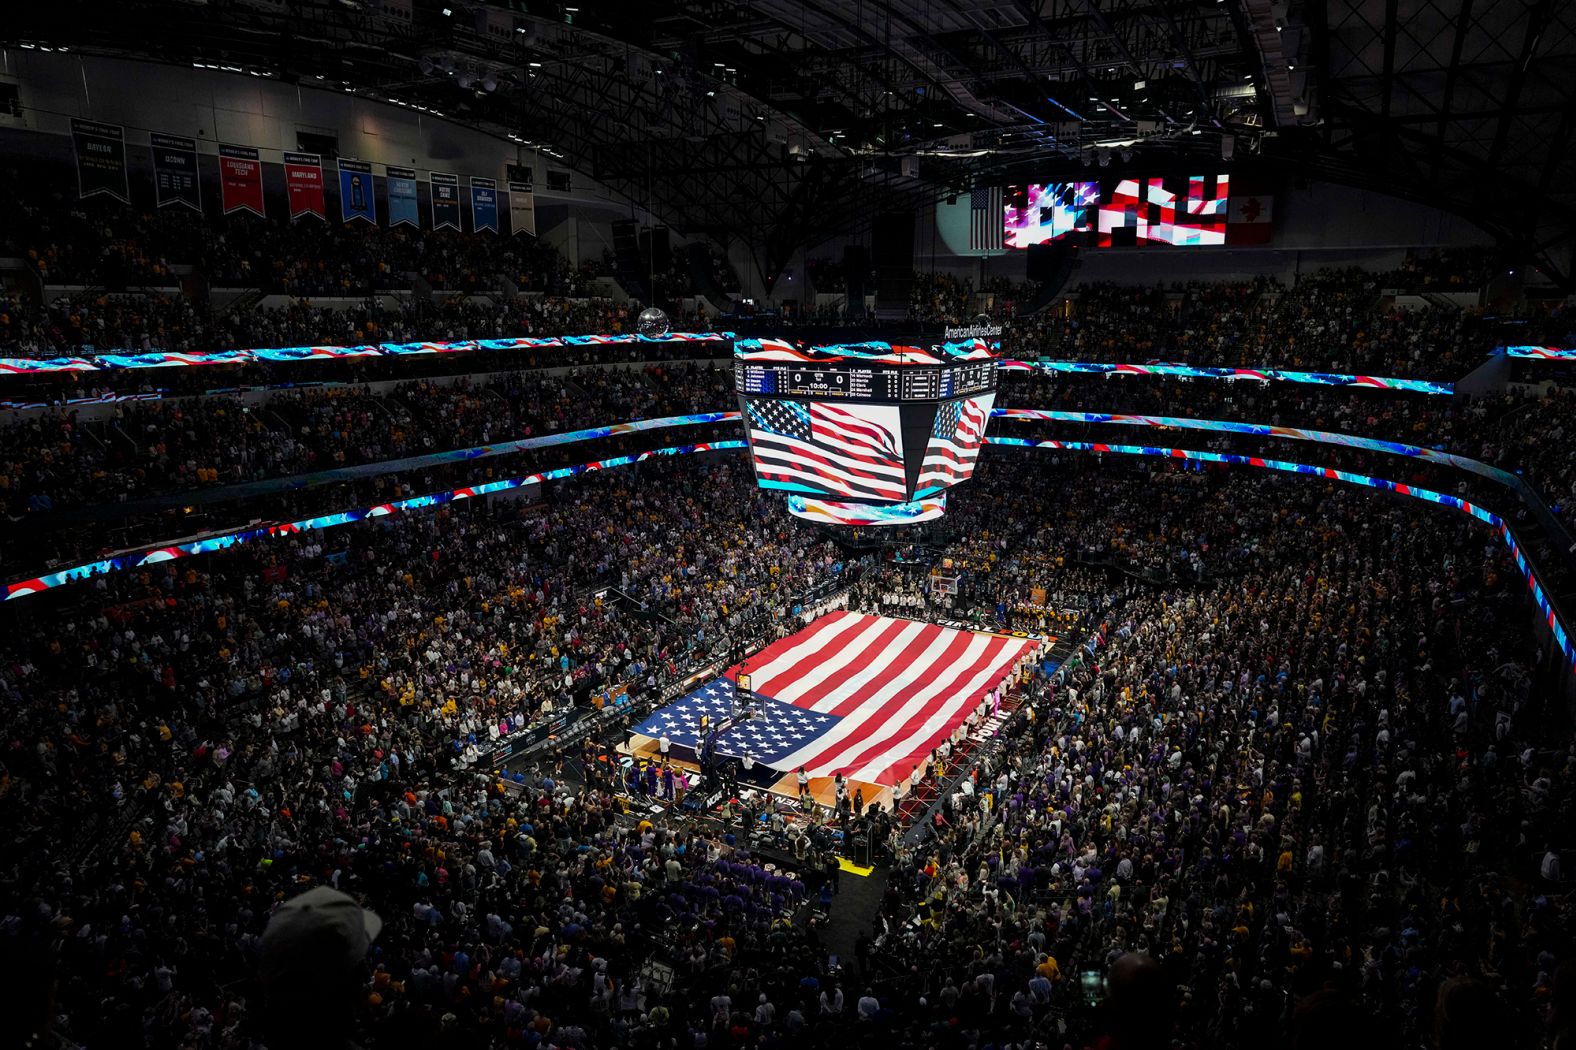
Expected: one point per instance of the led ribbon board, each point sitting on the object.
(1263, 375)
(828, 512)
(1394, 448)
(286, 354)
(224, 541)
(1539, 353)
(1556, 627)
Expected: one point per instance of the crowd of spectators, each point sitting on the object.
(97, 322)
(1317, 784)
(1313, 787)
(134, 449)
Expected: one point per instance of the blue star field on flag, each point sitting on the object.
(776, 731)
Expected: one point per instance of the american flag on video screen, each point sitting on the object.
(987, 219)
(954, 442)
(866, 696)
(822, 448)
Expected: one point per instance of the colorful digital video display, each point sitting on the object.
(1180, 211)
(287, 354)
(954, 445)
(1540, 353)
(829, 512)
(1051, 211)
(1262, 375)
(853, 451)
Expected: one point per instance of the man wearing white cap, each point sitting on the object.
(312, 968)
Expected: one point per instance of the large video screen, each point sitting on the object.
(828, 512)
(1179, 211)
(954, 445)
(853, 451)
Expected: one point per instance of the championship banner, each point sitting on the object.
(101, 159)
(445, 201)
(355, 191)
(402, 196)
(175, 171)
(484, 204)
(304, 184)
(241, 180)
(522, 209)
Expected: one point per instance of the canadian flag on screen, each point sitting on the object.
(1251, 218)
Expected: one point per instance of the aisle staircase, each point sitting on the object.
(966, 754)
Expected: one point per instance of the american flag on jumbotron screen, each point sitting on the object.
(987, 219)
(854, 450)
(954, 442)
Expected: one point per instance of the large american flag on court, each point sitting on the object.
(866, 696)
(838, 450)
(954, 442)
(987, 219)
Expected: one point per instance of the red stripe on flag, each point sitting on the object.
(891, 744)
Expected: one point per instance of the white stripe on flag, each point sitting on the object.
(856, 737)
(897, 687)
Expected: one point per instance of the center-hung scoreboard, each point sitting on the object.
(864, 433)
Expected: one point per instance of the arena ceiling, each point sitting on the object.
(784, 122)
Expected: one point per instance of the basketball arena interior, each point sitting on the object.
(775, 524)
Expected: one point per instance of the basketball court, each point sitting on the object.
(867, 697)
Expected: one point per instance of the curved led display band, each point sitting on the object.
(1539, 353)
(831, 512)
(1394, 448)
(224, 541)
(1263, 375)
(284, 354)
(1556, 627)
